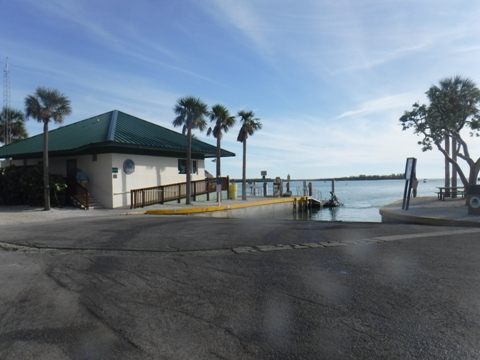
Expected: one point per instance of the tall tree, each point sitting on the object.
(250, 124)
(191, 113)
(223, 121)
(47, 105)
(17, 129)
(453, 106)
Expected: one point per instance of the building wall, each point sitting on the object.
(110, 184)
(28, 162)
(56, 165)
(99, 174)
(149, 171)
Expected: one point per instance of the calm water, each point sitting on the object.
(362, 199)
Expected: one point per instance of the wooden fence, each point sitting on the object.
(173, 192)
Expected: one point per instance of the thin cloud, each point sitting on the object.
(113, 36)
(377, 105)
(241, 15)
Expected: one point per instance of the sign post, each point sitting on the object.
(410, 170)
(219, 190)
(264, 173)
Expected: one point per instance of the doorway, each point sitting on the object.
(71, 176)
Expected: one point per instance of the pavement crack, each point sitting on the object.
(175, 255)
(311, 301)
(223, 271)
(117, 332)
(56, 280)
(355, 327)
(226, 330)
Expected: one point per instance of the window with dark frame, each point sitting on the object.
(182, 166)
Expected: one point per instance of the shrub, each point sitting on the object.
(24, 186)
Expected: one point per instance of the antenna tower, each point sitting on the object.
(7, 139)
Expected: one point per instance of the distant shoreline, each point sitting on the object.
(348, 178)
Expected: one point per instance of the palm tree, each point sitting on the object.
(45, 105)
(16, 128)
(223, 122)
(249, 126)
(191, 114)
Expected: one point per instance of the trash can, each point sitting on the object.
(473, 200)
(232, 191)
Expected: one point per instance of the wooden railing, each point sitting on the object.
(173, 192)
(77, 193)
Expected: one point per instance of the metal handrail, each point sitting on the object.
(317, 194)
(304, 191)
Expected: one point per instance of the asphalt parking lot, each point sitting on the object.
(155, 287)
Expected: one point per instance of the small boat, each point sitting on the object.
(324, 203)
(331, 203)
(425, 180)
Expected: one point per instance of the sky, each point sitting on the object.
(328, 79)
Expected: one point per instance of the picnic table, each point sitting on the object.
(450, 191)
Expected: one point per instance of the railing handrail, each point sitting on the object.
(78, 193)
(317, 194)
(170, 192)
(90, 182)
(304, 191)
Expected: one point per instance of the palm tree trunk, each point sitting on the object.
(46, 175)
(218, 157)
(244, 171)
(188, 190)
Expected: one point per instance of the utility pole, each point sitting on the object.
(7, 139)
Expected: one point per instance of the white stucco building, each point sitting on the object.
(118, 152)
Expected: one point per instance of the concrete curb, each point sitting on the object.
(208, 209)
(438, 217)
(424, 220)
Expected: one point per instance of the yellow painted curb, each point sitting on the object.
(196, 210)
(143, 212)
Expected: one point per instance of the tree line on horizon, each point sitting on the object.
(344, 178)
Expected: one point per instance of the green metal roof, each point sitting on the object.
(112, 132)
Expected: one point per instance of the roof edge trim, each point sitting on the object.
(113, 126)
